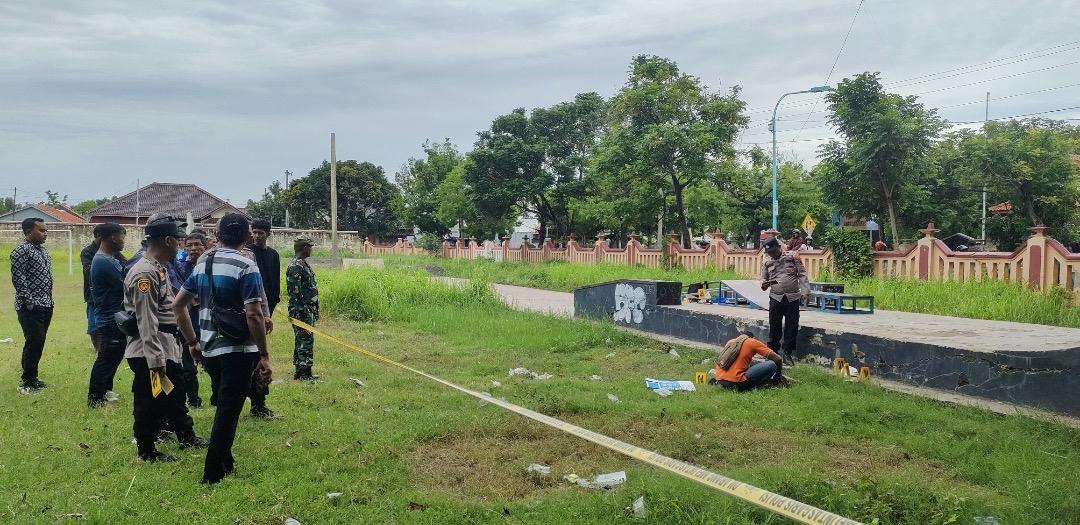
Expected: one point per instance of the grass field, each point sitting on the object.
(403, 449)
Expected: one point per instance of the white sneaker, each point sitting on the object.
(111, 396)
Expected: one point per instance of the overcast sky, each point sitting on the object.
(229, 95)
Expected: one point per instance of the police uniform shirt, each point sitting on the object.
(149, 296)
(789, 274)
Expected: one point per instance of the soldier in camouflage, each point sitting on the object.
(303, 306)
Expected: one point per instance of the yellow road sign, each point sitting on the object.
(808, 223)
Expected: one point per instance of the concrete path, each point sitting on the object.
(970, 333)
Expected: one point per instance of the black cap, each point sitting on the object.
(770, 244)
(166, 226)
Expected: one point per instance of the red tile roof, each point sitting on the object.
(62, 213)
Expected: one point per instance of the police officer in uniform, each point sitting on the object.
(152, 353)
(783, 275)
(303, 306)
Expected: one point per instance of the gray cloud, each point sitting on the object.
(228, 95)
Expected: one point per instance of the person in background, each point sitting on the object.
(796, 241)
(268, 260)
(303, 306)
(108, 298)
(879, 246)
(32, 277)
(195, 246)
(783, 275)
(86, 257)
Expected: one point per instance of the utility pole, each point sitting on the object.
(986, 117)
(137, 202)
(334, 255)
(287, 174)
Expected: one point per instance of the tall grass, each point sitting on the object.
(553, 275)
(993, 300)
(374, 294)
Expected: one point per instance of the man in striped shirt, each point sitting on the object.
(31, 274)
(234, 282)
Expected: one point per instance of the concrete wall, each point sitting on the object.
(1047, 380)
(279, 239)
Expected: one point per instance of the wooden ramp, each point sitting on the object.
(739, 292)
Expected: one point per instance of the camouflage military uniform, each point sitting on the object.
(303, 306)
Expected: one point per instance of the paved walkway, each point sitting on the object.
(987, 335)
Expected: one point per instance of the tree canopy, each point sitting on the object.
(365, 199)
(666, 132)
(882, 154)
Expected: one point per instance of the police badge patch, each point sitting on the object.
(143, 285)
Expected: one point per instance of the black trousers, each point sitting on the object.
(35, 326)
(256, 392)
(231, 373)
(189, 375)
(150, 411)
(783, 320)
(110, 355)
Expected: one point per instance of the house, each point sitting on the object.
(178, 200)
(50, 214)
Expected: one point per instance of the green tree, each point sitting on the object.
(667, 132)
(1028, 164)
(365, 198)
(7, 204)
(271, 206)
(536, 163)
(86, 206)
(746, 194)
(419, 180)
(52, 198)
(456, 208)
(882, 157)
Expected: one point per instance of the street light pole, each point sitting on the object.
(775, 204)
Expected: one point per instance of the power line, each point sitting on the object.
(980, 101)
(844, 43)
(1071, 46)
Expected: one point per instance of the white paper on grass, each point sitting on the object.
(656, 384)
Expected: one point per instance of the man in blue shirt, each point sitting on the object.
(107, 291)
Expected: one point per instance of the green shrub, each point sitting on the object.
(375, 294)
(851, 252)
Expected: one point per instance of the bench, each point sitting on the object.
(834, 302)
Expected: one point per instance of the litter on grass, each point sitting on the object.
(595, 377)
(663, 392)
(613, 398)
(639, 507)
(669, 385)
(333, 495)
(357, 381)
(603, 481)
(543, 470)
(521, 371)
(7, 340)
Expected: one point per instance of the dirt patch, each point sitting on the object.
(489, 464)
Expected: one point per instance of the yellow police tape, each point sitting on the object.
(770, 501)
